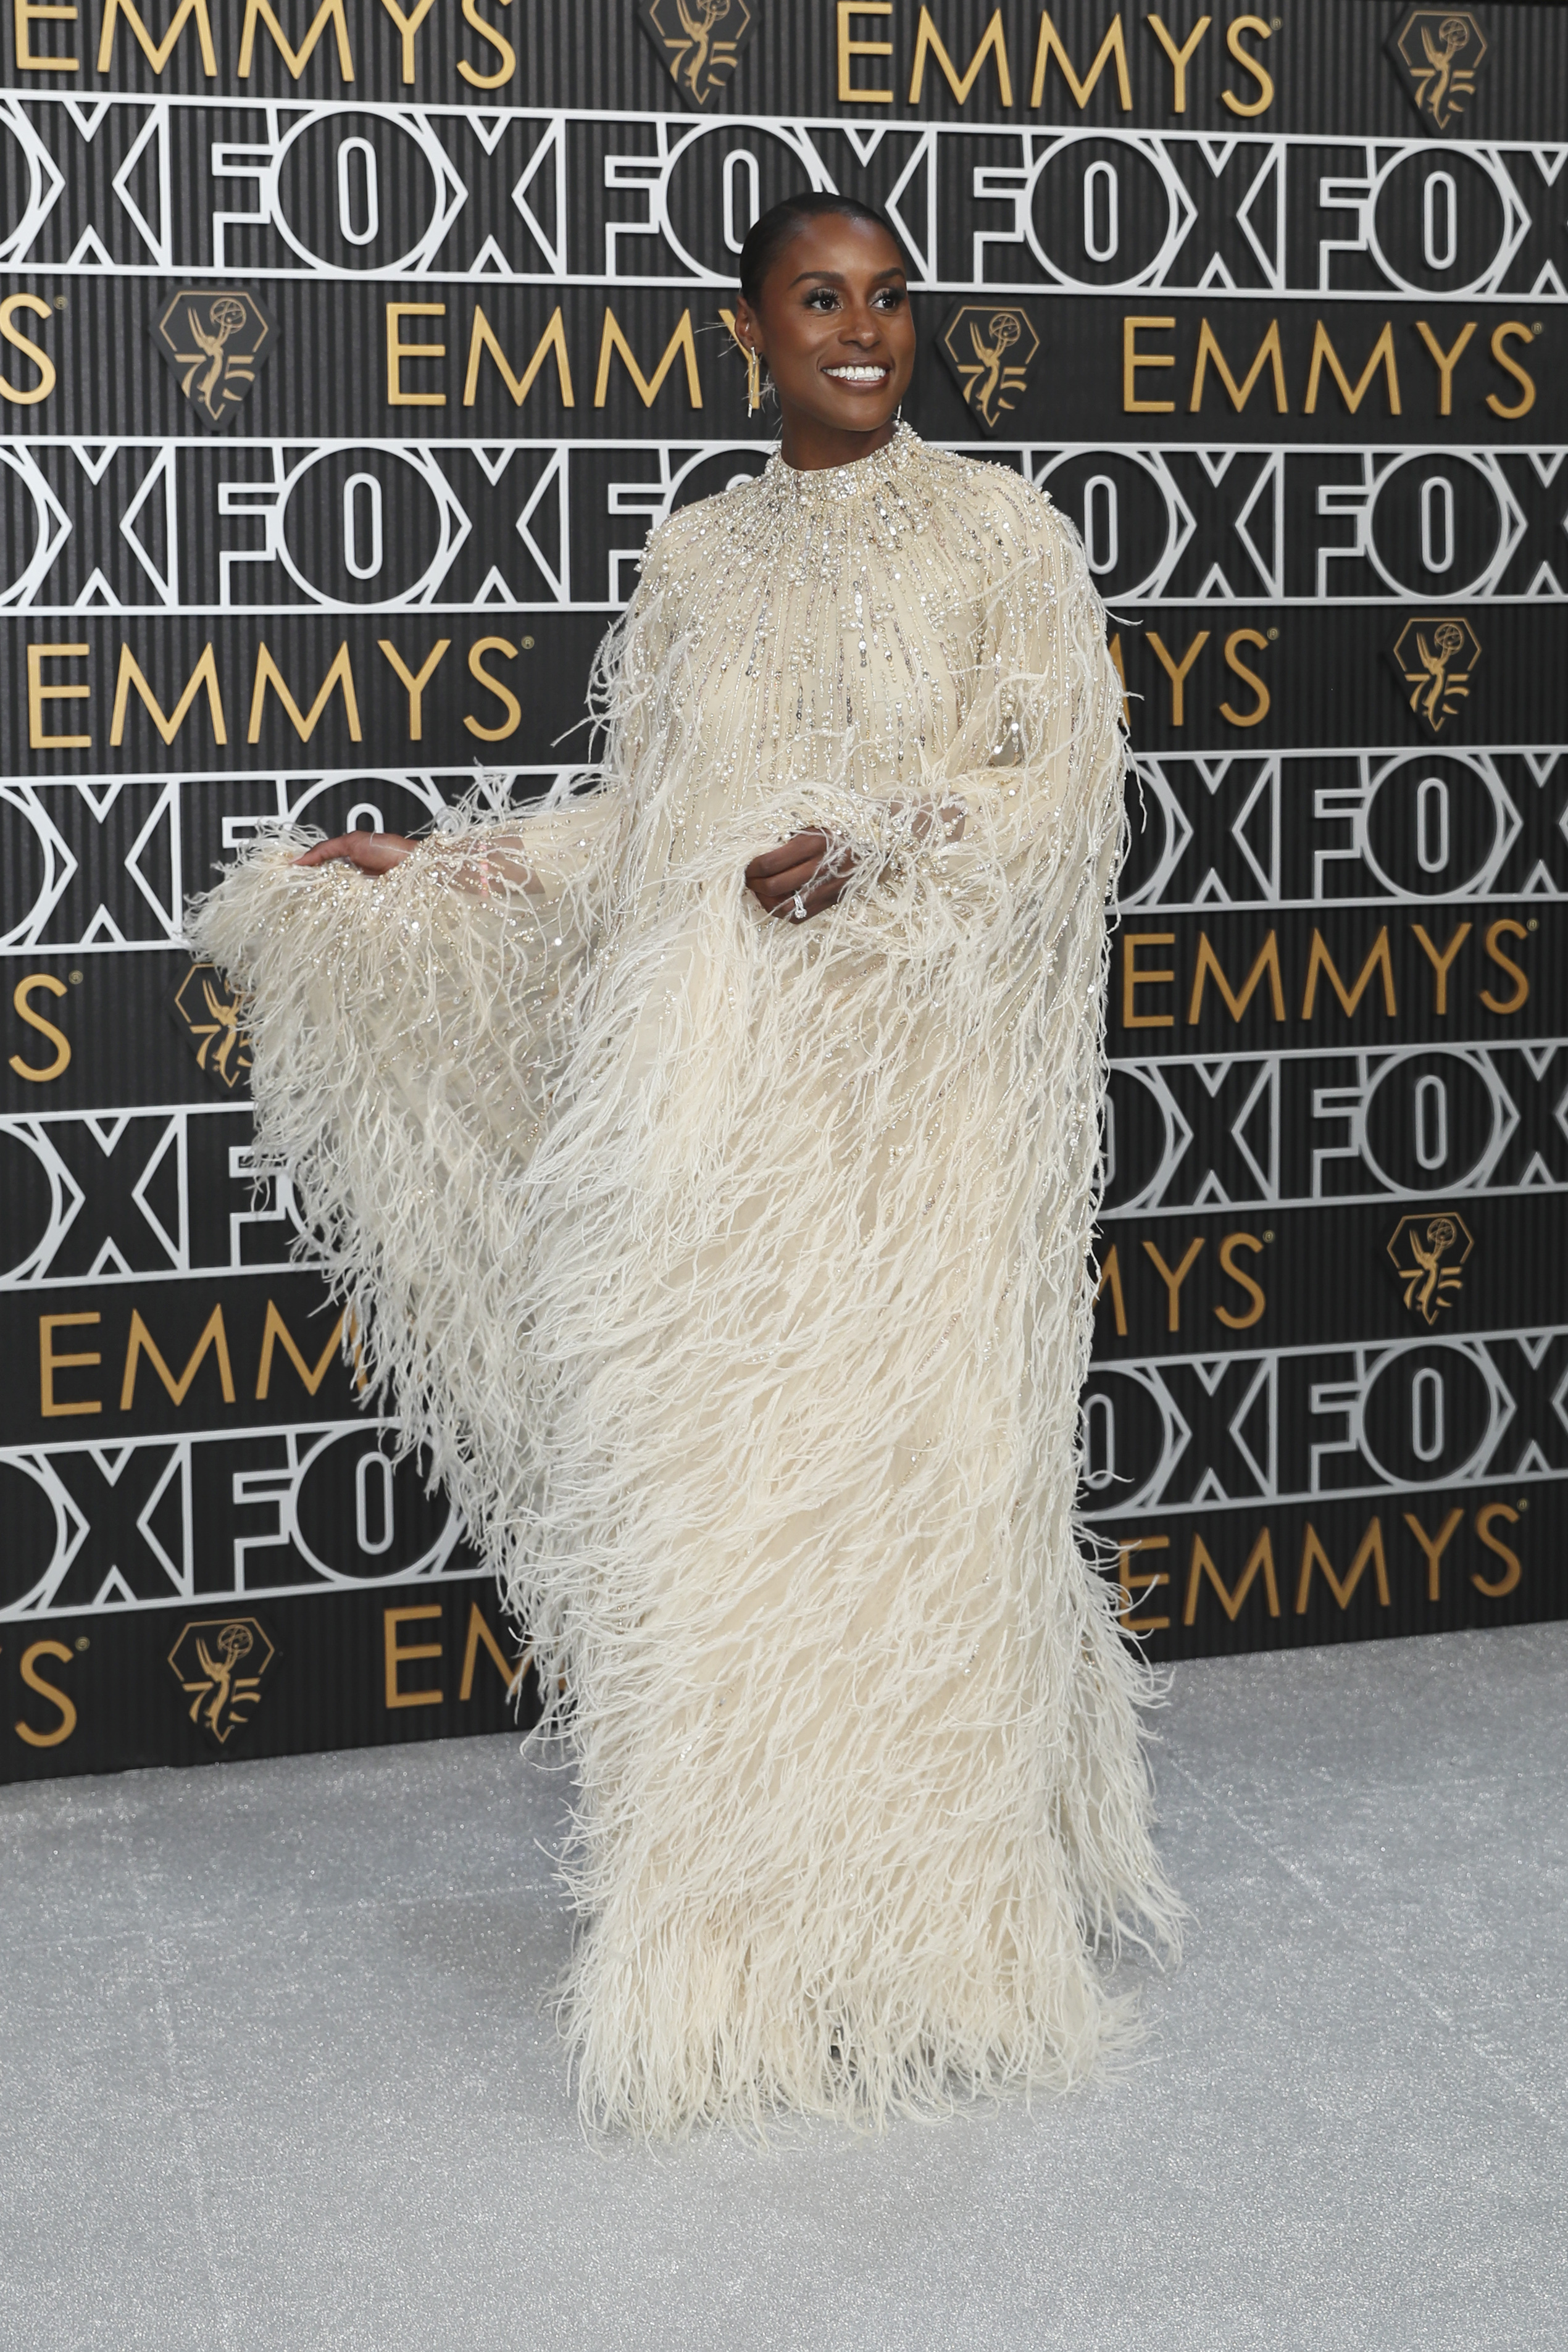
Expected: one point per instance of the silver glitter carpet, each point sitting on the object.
(272, 2072)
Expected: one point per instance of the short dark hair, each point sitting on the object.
(771, 231)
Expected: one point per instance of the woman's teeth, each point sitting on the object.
(858, 374)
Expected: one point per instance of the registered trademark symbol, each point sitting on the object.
(528, 645)
(1272, 635)
(60, 301)
(1533, 924)
(1539, 328)
(1524, 1502)
(74, 977)
(81, 1641)
(1268, 1236)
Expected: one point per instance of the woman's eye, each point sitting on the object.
(822, 298)
(890, 297)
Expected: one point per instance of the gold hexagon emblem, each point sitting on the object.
(699, 40)
(215, 338)
(1429, 1251)
(208, 1012)
(990, 347)
(1436, 654)
(219, 1663)
(1440, 50)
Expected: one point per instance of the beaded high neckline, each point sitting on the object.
(831, 484)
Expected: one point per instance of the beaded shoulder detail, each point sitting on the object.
(901, 488)
(876, 503)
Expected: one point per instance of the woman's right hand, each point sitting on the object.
(372, 853)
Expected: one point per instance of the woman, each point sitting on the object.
(710, 1163)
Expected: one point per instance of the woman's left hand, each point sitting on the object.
(790, 880)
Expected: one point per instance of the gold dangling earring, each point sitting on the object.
(753, 381)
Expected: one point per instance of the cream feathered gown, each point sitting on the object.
(734, 1273)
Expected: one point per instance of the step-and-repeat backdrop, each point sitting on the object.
(348, 352)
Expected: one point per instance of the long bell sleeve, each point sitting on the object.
(407, 1033)
(1027, 795)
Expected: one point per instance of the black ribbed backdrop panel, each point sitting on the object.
(1339, 1035)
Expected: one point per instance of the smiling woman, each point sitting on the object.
(710, 1161)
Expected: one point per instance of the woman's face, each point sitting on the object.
(833, 322)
